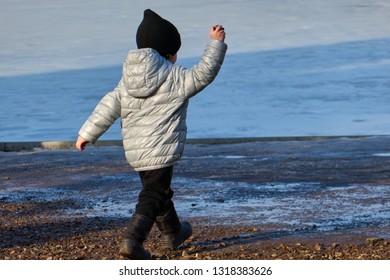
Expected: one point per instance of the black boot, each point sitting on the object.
(173, 233)
(137, 231)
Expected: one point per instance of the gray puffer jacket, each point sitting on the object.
(151, 99)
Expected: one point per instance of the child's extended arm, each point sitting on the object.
(104, 115)
(194, 80)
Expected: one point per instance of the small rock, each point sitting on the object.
(318, 247)
(185, 254)
(334, 245)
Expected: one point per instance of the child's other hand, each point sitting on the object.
(217, 32)
(81, 143)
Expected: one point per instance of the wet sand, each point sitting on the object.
(273, 199)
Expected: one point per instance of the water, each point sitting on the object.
(274, 206)
(300, 69)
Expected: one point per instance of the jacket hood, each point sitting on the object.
(144, 71)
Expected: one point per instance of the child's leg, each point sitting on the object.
(155, 196)
(173, 232)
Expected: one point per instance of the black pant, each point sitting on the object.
(156, 196)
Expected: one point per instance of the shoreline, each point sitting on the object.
(64, 145)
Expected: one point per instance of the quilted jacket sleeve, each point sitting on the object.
(106, 112)
(194, 80)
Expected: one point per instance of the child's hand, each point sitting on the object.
(81, 143)
(217, 32)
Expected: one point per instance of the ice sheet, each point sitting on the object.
(293, 67)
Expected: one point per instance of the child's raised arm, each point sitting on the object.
(194, 80)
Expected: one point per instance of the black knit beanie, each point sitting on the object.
(159, 34)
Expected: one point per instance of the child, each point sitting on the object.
(151, 99)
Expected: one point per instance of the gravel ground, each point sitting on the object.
(322, 199)
(29, 232)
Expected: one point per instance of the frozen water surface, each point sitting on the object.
(293, 206)
(292, 69)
